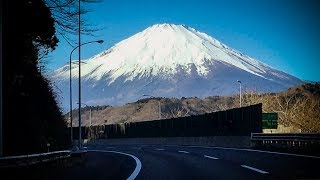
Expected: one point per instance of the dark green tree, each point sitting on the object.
(31, 116)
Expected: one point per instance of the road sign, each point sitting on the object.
(269, 120)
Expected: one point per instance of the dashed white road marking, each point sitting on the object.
(138, 162)
(255, 169)
(159, 149)
(210, 157)
(250, 150)
(186, 152)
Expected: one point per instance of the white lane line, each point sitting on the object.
(186, 152)
(138, 162)
(250, 150)
(210, 157)
(255, 169)
(159, 149)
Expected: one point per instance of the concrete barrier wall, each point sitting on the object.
(223, 141)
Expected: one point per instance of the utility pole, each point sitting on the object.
(240, 91)
(1, 98)
(79, 55)
(70, 98)
(90, 117)
(159, 104)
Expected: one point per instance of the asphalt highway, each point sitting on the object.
(196, 162)
(178, 162)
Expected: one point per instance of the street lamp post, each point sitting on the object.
(79, 55)
(159, 104)
(70, 83)
(240, 91)
(90, 117)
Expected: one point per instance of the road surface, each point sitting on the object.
(184, 162)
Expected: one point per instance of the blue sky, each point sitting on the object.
(281, 33)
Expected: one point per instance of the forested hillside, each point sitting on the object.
(298, 108)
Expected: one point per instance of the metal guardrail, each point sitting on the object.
(297, 140)
(32, 159)
(285, 136)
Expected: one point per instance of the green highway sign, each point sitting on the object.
(269, 120)
(270, 116)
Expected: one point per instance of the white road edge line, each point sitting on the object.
(210, 157)
(186, 152)
(159, 149)
(255, 169)
(250, 150)
(138, 162)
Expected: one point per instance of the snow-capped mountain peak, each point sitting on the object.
(161, 48)
(163, 52)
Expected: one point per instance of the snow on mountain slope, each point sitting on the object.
(170, 61)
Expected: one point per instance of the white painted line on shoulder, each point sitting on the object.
(136, 171)
(210, 157)
(250, 150)
(159, 149)
(186, 152)
(34, 162)
(255, 169)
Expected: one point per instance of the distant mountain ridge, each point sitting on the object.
(167, 60)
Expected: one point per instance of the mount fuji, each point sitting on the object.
(167, 60)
